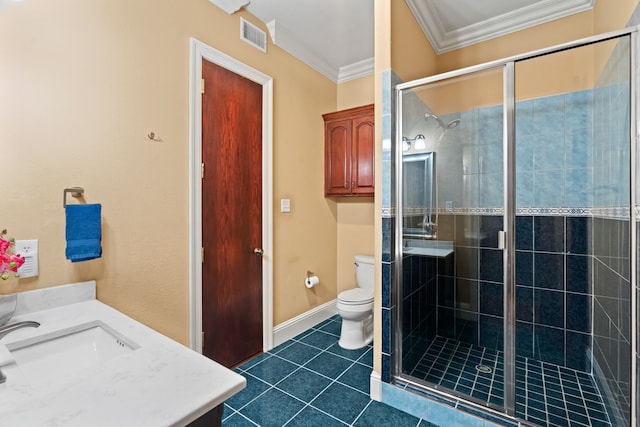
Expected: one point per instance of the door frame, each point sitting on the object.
(198, 52)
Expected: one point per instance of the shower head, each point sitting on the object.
(453, 124)
(442, 124)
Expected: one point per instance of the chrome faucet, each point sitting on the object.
(4, 330)
(430, 228)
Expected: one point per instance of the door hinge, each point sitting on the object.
(202, 339)
(202, 171)
(202, 255)
(202, 86)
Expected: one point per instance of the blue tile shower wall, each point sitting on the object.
(461, 297)
(553, 285)
(389, 79)
(611, 311)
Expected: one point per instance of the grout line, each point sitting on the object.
(546, 402)
(361, 412)
(246, 418)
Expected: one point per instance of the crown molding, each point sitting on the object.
(356, 70)
(282, 37)
(230, 6)
(539, 13)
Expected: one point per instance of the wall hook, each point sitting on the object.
(152, 137)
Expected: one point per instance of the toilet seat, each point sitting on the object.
(356, 296)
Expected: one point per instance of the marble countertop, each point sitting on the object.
(160, 383)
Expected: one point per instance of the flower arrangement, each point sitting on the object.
(9, 261)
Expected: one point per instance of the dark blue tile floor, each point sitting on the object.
(311, 381)
(546, 394)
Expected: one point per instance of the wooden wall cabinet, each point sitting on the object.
(349, 137)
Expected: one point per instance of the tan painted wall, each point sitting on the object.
(412, 56)
(355, 215)
(608, 18)
(357, 92)
(81, 85)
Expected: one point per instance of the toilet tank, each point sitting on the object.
(364, 271)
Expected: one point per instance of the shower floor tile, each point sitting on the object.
(546, 394)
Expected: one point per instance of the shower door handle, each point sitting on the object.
(502, 239)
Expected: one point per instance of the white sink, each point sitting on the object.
(66, 352)
(430, 248)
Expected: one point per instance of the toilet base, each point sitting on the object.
(356, 334)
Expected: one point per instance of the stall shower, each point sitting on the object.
(514, 275)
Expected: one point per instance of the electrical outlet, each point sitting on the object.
(29, 250)
(285, 205)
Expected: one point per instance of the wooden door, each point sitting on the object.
(231, 216)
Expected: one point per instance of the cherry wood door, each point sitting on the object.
(231, 216)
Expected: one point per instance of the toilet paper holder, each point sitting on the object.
(310, 273)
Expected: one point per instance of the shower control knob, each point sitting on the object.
(258, 251)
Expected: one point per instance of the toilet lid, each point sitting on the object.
(356, 296)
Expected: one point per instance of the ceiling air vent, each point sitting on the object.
(253, 35)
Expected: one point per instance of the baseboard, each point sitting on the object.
(289, 329)
(375, 386)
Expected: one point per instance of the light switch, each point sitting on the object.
(285, 205)
(29, 250)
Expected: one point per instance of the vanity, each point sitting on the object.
(90, 365)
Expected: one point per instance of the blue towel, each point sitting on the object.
(83, 232)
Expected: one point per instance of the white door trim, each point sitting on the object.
(198, 52)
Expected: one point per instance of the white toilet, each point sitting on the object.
(355, 306)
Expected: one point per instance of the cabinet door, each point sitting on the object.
(337, 158)
(362, 151)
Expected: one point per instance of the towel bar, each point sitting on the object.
(75, 192)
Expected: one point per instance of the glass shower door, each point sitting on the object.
(573, 343)
(451, 211)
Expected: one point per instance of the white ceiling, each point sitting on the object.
(336, 37)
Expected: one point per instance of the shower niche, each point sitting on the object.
(513, 275)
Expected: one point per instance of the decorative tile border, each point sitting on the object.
(613, 212)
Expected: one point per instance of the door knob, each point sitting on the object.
(258, 251)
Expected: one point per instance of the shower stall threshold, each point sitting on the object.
(546, 394)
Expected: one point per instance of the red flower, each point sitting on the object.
(9, 261)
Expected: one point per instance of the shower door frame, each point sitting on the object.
(507, 240)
